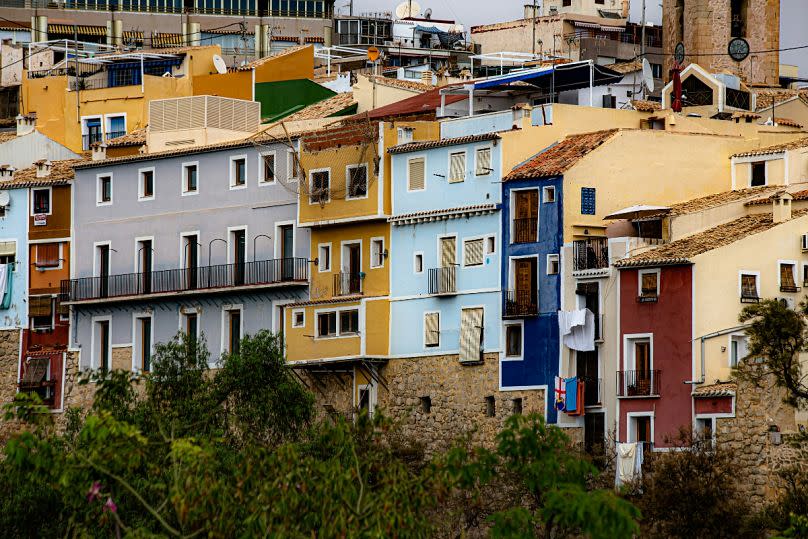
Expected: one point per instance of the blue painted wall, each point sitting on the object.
(539, 363)
(14, 227)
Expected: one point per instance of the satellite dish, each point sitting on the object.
(218, 63)
(5, 199)
(647, 75)
(411, 8)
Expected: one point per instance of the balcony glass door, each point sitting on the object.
(145, 262)
(587, 371)
(239, 256)
(191, 261)
(287, 235)
(103, 270)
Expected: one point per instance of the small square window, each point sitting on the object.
(324, 255)
(758, 177)
(146, 184)
(418, 263)
(649, 286)
(190, 182)
(377, 253)
(327, 324)
(268, 168)
(552, 265)
(513, 340)
(104, 189)
(42, 201)
(298, 319)
(490, 245)
(548, 194)
(349, 322)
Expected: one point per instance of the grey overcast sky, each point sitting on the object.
(793, 17)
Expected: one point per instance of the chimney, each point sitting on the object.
(521, 116)
(25, 124)
(99, 151)
(781, 207)
(426, 77)
(625, 5)
(43, 168)
(6, 173)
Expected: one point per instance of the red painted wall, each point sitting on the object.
(714, 405)
(51, 343)
(670, 321)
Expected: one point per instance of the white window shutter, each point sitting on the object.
(471, 322)
(457, 167)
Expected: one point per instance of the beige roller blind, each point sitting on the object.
(432, 329)
(471, 332)
(448, 252)
(457, 167)
(8, 248)
(416, 174)
(483, 161)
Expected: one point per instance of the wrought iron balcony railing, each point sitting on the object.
(590, 254)
(520, 303)
(525, 230)
(259, 273)
(347, 284)
(638, 383)
(443, 281)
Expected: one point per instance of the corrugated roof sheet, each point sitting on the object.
(431, 144)
(559, 158)
(683, 250)
(777, 148)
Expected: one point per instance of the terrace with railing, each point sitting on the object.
(642, 383)
(443, 281)
(347, 284)
(520, 303)
(202, 279)
(590, 254)
(525, 230)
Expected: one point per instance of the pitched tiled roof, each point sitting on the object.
(625, 67)
(430, 144)
(135, 138)
(61, 173)
(5, 137)
(426, 102)
(646, 106)
(442, 214)
(797, 195)
(787, 122)
(715, 200)
(323, 109)
(726, 389)
(558, 159)
(777, 148)
(765, 98)
(745, 114)
(273, 56)
(402, 84)
(681, 251)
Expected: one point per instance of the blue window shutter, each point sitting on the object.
(587, 200)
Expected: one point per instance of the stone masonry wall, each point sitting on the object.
(9, 365)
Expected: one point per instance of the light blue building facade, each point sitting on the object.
(445, 236)
(14, 253)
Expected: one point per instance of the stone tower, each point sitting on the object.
(706, 27)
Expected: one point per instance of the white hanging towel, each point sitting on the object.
(577, 329)
(626, 470)
(3, 277)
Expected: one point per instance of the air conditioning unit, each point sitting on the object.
(787, 302)
(804, 242)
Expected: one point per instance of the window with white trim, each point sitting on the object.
(649, 285)
(327, 324)
(41, 201)
(268, 167)
(357, 181)
(416, 173)
(320, 187)
(238, 172)
(418, 263)
(431, 329)
(377, 253)
(473, 252)
(324, 258)
(788, 276)
(513, 340)
(490, 245)
(146, 184)
(548, 194)
(483, 162)
(349, 322)
(190, 178)
(553, 264)
(738, 349)
(298, 318)
(104, 190)
(292, 166)
(457, 167)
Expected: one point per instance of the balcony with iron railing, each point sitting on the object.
(348, 284)
(592, 395)
(88, 139)
(443, 281)
(520, 304)
(525, 230)
(203, 279)
(590, 254)
(643, 383)
(114, 134)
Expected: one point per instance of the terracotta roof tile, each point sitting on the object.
(727, 389)
(559, 158)
(443, 213)
(715, 200)
(765, 98)
(135, 138)
(797, 195)
(402, 84)
(61, 173)
(5, 137)
(273, 56)
(681, 251)
(323, 109)
(787, 122)
(777, 148)
(646, 106)
(431, 144)
(625, 67)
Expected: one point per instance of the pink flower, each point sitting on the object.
(110, 506)
(95, 492)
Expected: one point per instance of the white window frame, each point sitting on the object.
(553, 257)
(98, 200)
(232, 165)
(631, 434)
(296, 312)
(184, 252)
(476, 160)
(136, 258)
(338, 334)
(320, 267)
(730, 338)
(423, 331)
(449, 167)
(426, 176)
(629, 361)
(765, 171)
(226, 309)
(545, 190)
(642, 272)
(230, 245)
(137, 364)
(742, 272)
(50, 199)
(183, 312)
(415, 256)
(372, 397)
(348, 169)
(262, 180)
(141, 184)
(458, 252)
(343, 258)
(96, 260)
(512, 272)
(803, 277)
(311, 185)
(184, 187)
(712, 420)
(94, 364)
(505, 356)
(492, 237)
(793, 271)
(290, 166)
(463, 254)
(108, 122)
(373, 240)
(512, 213)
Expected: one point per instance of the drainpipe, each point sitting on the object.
(703, 338)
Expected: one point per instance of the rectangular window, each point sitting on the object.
(738, 349)
(457, 167)
(268, 168)
(144, 329)
(146, 184)
(320, 187)
(552, 265)
(483, 164)
(238, 172)
(324, 255)
(299, 318)
(587, 201)
(471, 335)
(47, 255)
(649, 285)
(431, 329)
(513, 340)
(8, 253)
(190, 182)
(104, 359)
(40, 311)
(787, 280)
(490, 245)
(349, 322)
(357, 181)
(191, 328)
(377, 253)
(416, 173)
(473, 253)
(758, 177)
(292, 166)
(749, 287)
(327, 324)
(548, 194)
(418, 263)
(42, 201)
(104, 194)
(525, 215)
(233, 318)
(642, 429)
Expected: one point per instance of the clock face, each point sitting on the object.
(679, 53)
(738, 49)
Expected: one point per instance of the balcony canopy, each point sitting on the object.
(637, 212)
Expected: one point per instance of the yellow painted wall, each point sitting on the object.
(301, 344)
(377, 327)
(776, 172)
(236, 84)
(291, 66)
(376, 282)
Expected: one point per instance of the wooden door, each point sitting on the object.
(448, 252)
(526, 216)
